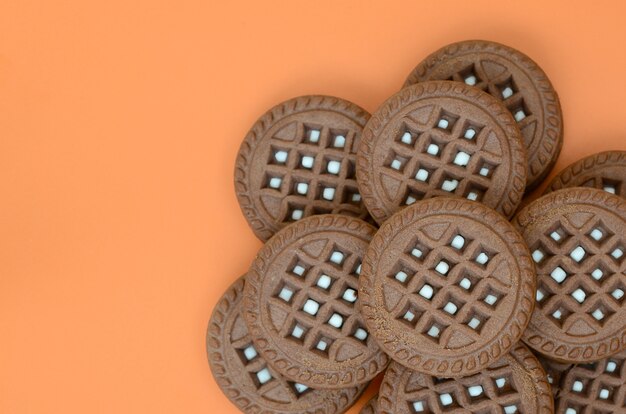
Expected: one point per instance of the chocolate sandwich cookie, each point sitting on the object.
(441, 138)
(515, 80)
(577, 237)
(371, 407)
(245, 377)
(605, 171)
(598, 387)
(513, 384)
(554, 371)
(299, 160)
(301, 303)
(447, 287)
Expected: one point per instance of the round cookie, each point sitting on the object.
(512, 78)
(447, 287)
(247, 380)
(599, 387)
(604, 170)
(514, 384)
(298, 160)
(577, 237)
(436, 139)
(301, 303)
(371, 407)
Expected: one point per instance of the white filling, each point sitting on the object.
(280, 156)
(340, 141)
(577, 386)
(407, 138)
(314, 135)
(336, 257)
(307, 161)
(401, 276)
(611, 366)
(539, 295)
(558, 274)
(507, 92)
(302, 188)
(604, 394)
(617, 293)
(264, 375)
(550, 379)
(475, 390)
(490, 299)
(462, 158)
(396, 164)
(458, 242)
(333, 167)
(597, 274)
(500, 382)
(473, 323)
(510, 409)
(410, 200)
(349, 295)
(617, 253)
(250, 353)
(451, 308)
(470, 80)
(578, 254)
(482, 258)
(417, 252)
(297, 214)
(418, 406)
(465, 283)
(446, 399)
(426, 291)
(297, 331)
(442, 267)
(449, 185)
(433, 149)
(324, 281)
(275, 182)
(609, 189)
(358, 269)
(421, 175)
(285, 294)
(299, 270)
(571, 411)
(336, 320)
(356, 197)
(484, 171)
(328, 193)
(311, 307)
(598, 314)
(409, 316)
(555, 236)
(321, 345)
(557, 314)
(538, 256)
(443, 123)
(360, 334)
(596, 234)
(472, 196)
(470, 133)
(433, 331)
(519, 115)
(300, 388)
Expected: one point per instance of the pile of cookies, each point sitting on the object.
(397, 243)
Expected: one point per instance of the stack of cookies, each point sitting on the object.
(396, 243)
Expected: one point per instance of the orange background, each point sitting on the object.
(119, 126)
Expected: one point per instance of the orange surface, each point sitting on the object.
(119, 126)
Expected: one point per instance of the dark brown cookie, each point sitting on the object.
(554, 371)
(515, 383)
(447, 287)
(371, 407)
(605, 171)
(299, 160)
(577, 237)
(595, 388)
(247, 380)
(301, 299)
(514, 79)
(441, 138)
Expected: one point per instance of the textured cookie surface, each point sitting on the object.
(441, 138)
(514, 384)
(605, 171)
(447, 287)
(299, 160)
(595, 388)
(247, 380)
(371, 407)
(301, 301)
(517, 81)
(576, 237)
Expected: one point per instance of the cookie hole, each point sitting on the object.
(559, 275)
(298, 332)
(475, 392)
(299, 389)
(412, 196)
(560, 314)
(606, 392)
(423, 173)
(475, 192)
(434, 330)
(458, 242)
(410, 315)
(579, 295)
(306, 161)
(538, 255)
(470, 131)
(396, 161)
(611, 186)
(351, 195)
(434, 147)
(418, 406)
(486, 169)
(327, 193)
(299, 268)
(361, 334)
(321, 345)
(452, 305)
(467, 281)
(300, 187)
(617, 253)
(541, 296)
(574, 409)
(462, 158)
(469, 76)
(336, 320)
(601, 313)
(503, 385)
(449, 183)
(402, 274)
(476, 321)
(427, 292)
(285, 293)
(407, 137)
(510, 409)
(332, 166)
(492, 297)
(278, 156)
(349, 295)
(520, 110)
(312, 134)
(618, 294)
(447, 401)
(578, 254)
(324, 282)
(337, 257)
(262, 377)
(295, 212)
(443, 267)
(507, 88)
(357, 268)
(418, 251)
(613, 367)
(311, 307)
(338, 138)
(483, 257)
(274, 182)
(600, 273)
(247, 354)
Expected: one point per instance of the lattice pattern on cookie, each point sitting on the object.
(493, 391)
(581, 273)
(447, 288)
(444, 158)
(319, 295)
(595, 388)
(314, 174)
